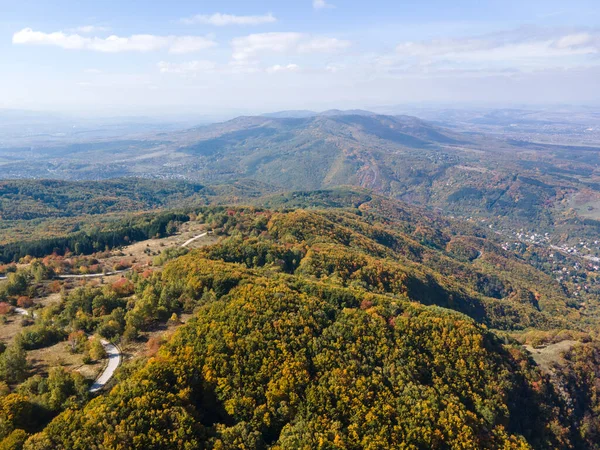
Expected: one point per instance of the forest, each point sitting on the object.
(116, 233)
(368, 325)
(34, 199)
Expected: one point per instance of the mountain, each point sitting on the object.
(323, 150)
(347, 112)
(369, 324)
(513, 184)
(294, 114)
(303, 114)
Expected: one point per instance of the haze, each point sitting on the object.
(210, 57)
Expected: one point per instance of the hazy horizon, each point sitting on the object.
(211, 115)
(233, 57)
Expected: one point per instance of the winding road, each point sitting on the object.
(189, 241)
(94, 275)
(114, 361)
(23, 312)
(113, 352)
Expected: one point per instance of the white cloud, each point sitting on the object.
(114, 44)
(190, 67)
(190, 44)
(221, 20)
(242, 67)
(321, 4)
(249, 47)
(89, 29)
(278, 68)
(334, 68)
(200, 67)
(517, 50)
(578, 40)
(323, 45)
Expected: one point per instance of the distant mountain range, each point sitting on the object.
(319, 309)
(511, 182)
(302, 114)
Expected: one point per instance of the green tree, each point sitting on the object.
(14, 441)
(96, 349)
(13, 363)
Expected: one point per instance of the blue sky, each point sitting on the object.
(174, 56)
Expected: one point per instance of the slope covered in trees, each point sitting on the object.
(113, 234)
(31, 199)
(513, 183)
(367, 327)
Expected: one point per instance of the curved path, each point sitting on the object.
(189, 241)
(113, 352)
(114, 361)
(24, 312)
(94, 275)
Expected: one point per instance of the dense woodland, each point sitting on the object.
(114, 234)
(369, 324)
(33, 199)
(511, 183)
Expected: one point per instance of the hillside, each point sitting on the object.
(324, 150)
(513, 184)
(47, 209)
(33, 199)
(362, 326)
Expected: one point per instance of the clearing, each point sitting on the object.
(548, 356)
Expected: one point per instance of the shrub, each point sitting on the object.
(24, 302)
(5, 308)
(77, 341)
(96, 349)
(41, 336)
(122, 265)
(123, 287)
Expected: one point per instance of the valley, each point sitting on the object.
(140, 256)
(301, 225)
(296, 268)
(513, 184)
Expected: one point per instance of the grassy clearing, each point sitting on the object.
(550, 355)
(58, 355)
(140, 253)
(10, 329)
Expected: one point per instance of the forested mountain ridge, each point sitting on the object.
(33, 210)
(326, 150)
(514, 184)
(345, 328)
(422, 246)
(32, 199)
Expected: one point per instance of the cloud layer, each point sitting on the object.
(190, 67)
(279, 68)
(114, 44)
(221, 20)
(321, 4)
(89, 29)
(249, 47)
(197, 68)
(516, 50)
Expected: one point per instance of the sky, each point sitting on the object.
(177, 57)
